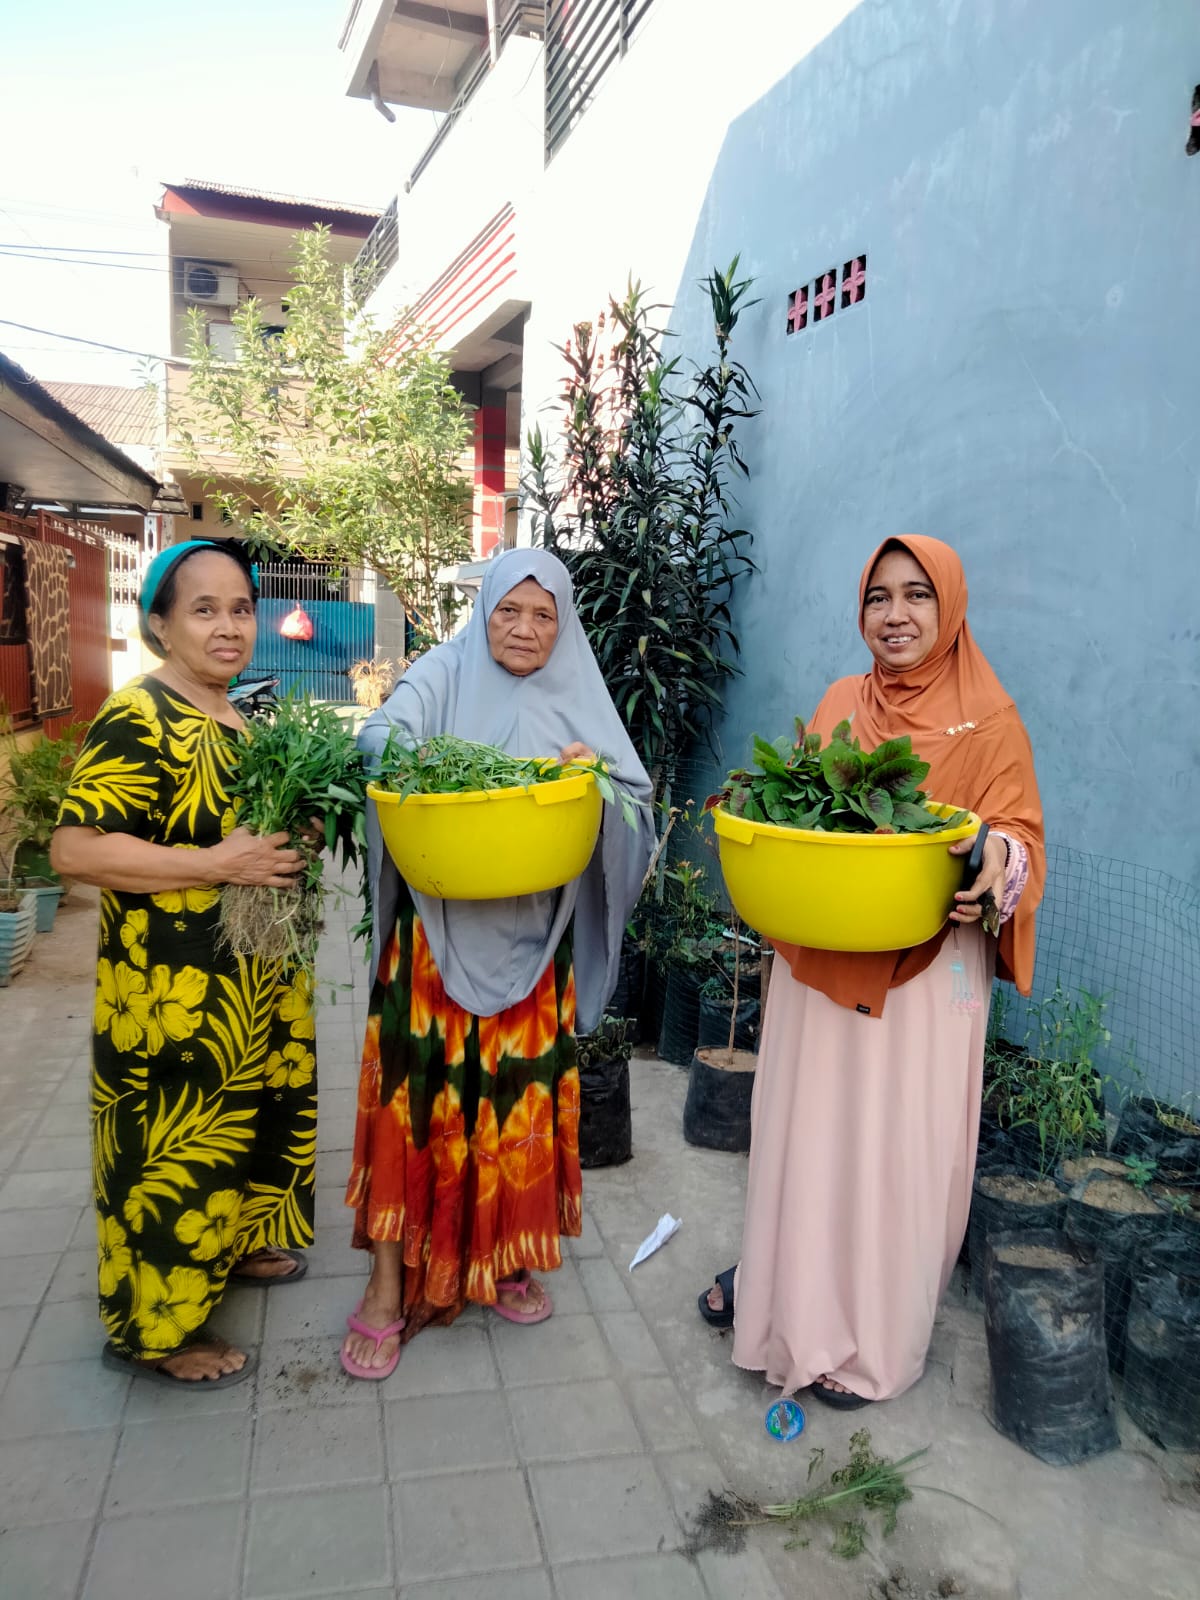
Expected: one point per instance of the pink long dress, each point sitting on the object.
(862, 1155)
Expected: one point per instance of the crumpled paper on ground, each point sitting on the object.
(663, 1229)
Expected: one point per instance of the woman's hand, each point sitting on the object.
(313, 833)
(576, 752)
(991, 876)
(243, 857)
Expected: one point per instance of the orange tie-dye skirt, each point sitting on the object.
(466, 1148)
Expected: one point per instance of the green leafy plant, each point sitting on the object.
(301, 763)
(840, 788)
(446, 764)
(1140, 1171)
(1053, 1086)
(610, 1040)
(866, 1483)
(635, 496)
(339, 454)
(39, 775)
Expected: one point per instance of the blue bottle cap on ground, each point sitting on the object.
(785, 1420)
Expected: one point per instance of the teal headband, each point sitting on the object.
(158, 569)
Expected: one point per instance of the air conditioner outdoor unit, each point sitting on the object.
(210, 283)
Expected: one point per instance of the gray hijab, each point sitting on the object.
(490, 953)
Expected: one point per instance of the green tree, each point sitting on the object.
(337, 443)
(635, 498)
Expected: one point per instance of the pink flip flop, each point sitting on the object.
(356, 1370)
(521, 1286)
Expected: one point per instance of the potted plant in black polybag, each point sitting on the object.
(605, 1119)
(716, 1113)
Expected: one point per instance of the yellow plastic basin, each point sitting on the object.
(841, 891)
(489, 844)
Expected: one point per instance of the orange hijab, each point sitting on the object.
(966, 726)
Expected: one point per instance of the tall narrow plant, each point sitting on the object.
(635, 497)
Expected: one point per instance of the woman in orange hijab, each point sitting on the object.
(867, 1096)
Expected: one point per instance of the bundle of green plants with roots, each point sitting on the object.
(300, 765)
(865, 1483)
(838, 788)
(446, 764)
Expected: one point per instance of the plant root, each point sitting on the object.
(277, 925)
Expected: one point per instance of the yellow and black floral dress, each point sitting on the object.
(204, 1091)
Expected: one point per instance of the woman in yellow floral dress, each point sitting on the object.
(466, 1156)
(203, 1106)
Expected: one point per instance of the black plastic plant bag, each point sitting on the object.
(1140, 1133)
(1162, 1344)
(1120, 1240)
(680, 1017)
(992, 1213)
(713, 1026)
(605, 1122)
(1049, 1389)
(716, 1113)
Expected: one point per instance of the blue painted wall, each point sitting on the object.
(1022, 379)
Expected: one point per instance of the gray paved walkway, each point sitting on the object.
(513, 1464)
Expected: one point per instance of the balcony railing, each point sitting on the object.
(584, 38)
(375, 260)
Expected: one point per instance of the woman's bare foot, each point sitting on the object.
(211, 1358)
(523, 1302)
(265, 1263)
(716, 1298)
(377, 1311)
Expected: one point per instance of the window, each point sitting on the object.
(197, 511)
(832, 291)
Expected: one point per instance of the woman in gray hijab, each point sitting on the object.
(466, 1156)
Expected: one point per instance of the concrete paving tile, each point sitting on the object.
(330, 1206)
(242, 1313)
(67, 1153)
(606, 1507)
(564, 1420)
(747, 1576)
(10, 1150)
(448, 1433)
(529, 1583)
(659, 1577)
(54, 1480)
(333, 1256)
(25, 1279)
(589, 1242)
(154, 1402)
(191, 1554)
(34, 1232)
(83, 1234)
(690, 1476)
(179, 1462)
(317, 1446)
(308, 1544)
(315, 1308)
(459, 1524)
(566, 1290)
(64, 1397)
(336, 1103)
(453, 1360)
(633, 1348)
(15, 1323)
(22, 1190)
(550, 1352)
(44, 1563)
(662, 1414)
(68, 1330)
(74, 1277)
(303, 1372)
(602, 1281)
(60, 1122)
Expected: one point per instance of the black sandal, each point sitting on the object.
(724, 1317)
(836, 1398)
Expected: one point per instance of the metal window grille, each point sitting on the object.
(584, 38)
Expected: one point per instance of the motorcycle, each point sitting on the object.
(257, 698)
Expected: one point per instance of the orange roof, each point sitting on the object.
(122, 415)
(193, 185)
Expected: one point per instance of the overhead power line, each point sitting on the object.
(73, 338)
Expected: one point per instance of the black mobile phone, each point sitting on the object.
(973, 865)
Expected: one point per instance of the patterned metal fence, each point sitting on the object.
(339, 603)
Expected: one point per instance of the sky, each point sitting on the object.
(105, 103)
